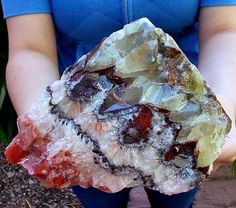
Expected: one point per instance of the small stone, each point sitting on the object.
(10, 174)
(31, 182)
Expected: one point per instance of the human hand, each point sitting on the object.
(228, 154)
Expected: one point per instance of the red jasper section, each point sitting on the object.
(177, 149)
(137, 129)
(14, 153)
(144, 119)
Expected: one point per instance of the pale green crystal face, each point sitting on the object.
(160, 75)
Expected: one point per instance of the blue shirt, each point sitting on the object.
(81, 24)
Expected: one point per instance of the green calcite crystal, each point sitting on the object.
(159, 74)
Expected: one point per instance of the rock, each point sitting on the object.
(31, 182)
(132, 112)
(10, 174)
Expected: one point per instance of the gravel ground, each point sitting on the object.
(19, 190)
(218, 191)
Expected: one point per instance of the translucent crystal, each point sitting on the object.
(132, 112)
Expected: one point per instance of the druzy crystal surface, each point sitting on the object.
(132, 112)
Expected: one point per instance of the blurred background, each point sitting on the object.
(7, 114)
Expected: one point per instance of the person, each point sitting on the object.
(47, 36)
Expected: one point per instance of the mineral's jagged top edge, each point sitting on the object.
(145, 24)
(141, 25)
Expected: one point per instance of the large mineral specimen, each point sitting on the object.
(132, 112)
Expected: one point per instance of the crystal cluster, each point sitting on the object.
(132, 112)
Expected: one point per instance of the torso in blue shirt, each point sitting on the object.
(82, 24)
